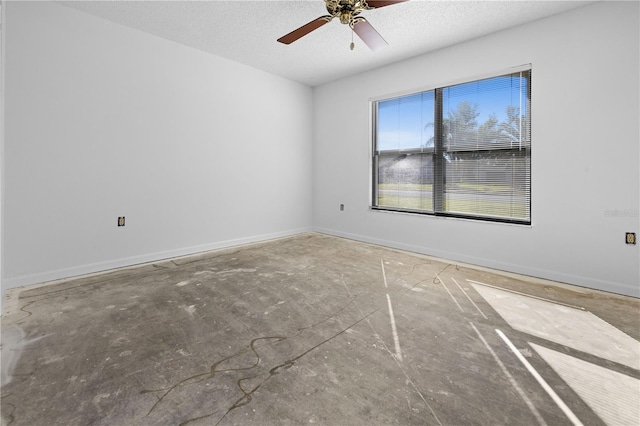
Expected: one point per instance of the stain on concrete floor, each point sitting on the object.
(304, 330)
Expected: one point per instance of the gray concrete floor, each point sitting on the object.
(322, 330)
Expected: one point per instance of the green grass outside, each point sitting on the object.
(416, 203)
(488, 208)
(472, 187)
(406, 186)
(475, 187)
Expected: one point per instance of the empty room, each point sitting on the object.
(332, 212)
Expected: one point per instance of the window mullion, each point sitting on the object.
(438, 160)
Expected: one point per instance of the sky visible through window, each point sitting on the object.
(407, 122)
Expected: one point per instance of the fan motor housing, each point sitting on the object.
(345, 10)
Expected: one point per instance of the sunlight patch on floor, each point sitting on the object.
(567, 326)
(613, 396)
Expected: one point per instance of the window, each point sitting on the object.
(462, 150)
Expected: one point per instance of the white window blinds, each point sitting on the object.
(462, 150)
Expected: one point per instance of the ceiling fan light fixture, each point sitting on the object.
(347, 12)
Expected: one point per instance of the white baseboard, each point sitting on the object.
(75, 271)
(526, 270)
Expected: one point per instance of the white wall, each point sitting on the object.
(197, 152)
(585, 130)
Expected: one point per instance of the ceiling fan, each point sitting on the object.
(348, 12)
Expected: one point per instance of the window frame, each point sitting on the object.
(439, 149)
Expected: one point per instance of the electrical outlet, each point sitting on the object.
(630, 238)
(121, 221)
(341, 207)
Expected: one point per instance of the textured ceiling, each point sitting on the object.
(246, 31)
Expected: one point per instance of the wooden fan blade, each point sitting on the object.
(374, 4)
(305, 29)
(368, 34)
